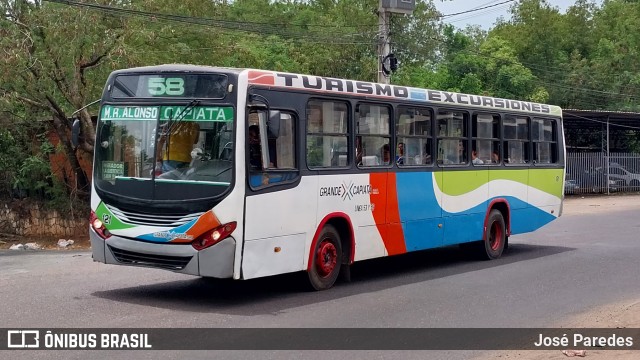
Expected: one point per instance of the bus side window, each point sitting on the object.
(282, 147)
(327, 138)
(485, 132)
(279, 150)
(413, 136)
(373, 134)
(516, 139)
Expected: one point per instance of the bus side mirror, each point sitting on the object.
(273, 125)
(75, 133)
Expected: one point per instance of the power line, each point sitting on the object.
(212, 20)
(604, 122)
(489, 11)
(477, 9)
(250, 27)
(487, 3)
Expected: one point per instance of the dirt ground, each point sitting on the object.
(46, 243)
(578, 205)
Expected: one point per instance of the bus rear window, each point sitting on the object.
(170, 85)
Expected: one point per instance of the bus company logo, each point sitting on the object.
(172, 235)
(23, 339)
(347, 191)
(106, 218)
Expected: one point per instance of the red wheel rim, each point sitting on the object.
(495, 236)
(326, 258)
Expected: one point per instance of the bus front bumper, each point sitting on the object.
(215, 261)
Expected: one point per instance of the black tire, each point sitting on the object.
(326, 259)
(495, 237)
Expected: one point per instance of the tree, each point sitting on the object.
(50, 65)
(475, 64)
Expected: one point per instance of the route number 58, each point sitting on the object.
(166, 86)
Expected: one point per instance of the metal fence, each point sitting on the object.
(589, 173)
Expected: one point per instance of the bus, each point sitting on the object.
(243, 173)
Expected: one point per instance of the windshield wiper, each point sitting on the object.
(183, 113)
(166, 134)
(224, 171)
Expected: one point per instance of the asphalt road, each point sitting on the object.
(583, 260)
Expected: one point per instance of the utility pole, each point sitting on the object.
(383, 42)
(385, 9)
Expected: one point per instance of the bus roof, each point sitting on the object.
(320, 84)
(177, 68)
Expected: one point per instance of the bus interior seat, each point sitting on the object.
(371, 160)
(227, 151)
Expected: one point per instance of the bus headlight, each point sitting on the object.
(214, 236)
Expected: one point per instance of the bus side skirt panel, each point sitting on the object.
(217, 261)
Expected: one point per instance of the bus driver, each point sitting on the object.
(176, 153)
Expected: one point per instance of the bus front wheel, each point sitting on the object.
(326, 259)
(495, 236)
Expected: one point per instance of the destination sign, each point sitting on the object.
(170, 85)
(197, 113)
(153, 113)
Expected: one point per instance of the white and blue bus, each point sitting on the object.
(241, 173)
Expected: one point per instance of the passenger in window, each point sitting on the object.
(462, 153)
(475, 159)
(386, 154)
(495, 158)
(427, 155)
(400, 154)
(175, 145)
(457, 157)
(255, 151)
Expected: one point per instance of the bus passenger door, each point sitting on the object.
(279, 209)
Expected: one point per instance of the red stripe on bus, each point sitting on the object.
(386, 213)
(261, 77)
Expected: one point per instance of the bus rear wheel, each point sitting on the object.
(326, 259)
(495, 237)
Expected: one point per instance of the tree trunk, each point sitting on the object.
(82, 182)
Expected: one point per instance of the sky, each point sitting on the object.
(485, 18)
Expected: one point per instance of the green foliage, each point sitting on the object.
(17, 142)
(588, 58)
(484, 66)
(34, 176)
(58, 57)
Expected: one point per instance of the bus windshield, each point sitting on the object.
(142, 151)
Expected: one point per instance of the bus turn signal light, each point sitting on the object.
(214, 236)
(98, 226)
